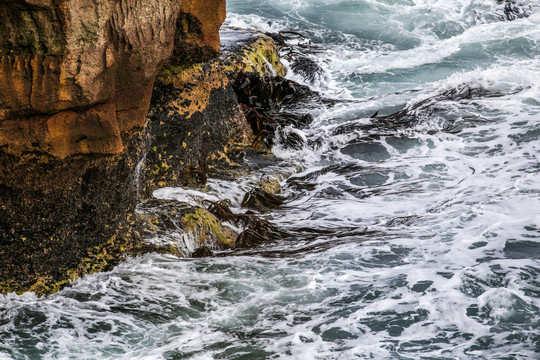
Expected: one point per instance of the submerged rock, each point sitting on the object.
(177, 228)
(262, 201)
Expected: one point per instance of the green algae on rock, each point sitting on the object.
(250, 51)
(85, 220)
(75, 85)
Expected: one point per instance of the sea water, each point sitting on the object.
(412, 237)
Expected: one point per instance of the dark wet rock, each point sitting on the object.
(514, 10)
(163, 216)
(260, 200)
(57, 215)
(194, 115)
(203, 251)
(255, 229)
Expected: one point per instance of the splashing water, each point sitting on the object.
(413, 233)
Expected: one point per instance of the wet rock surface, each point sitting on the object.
(66, 212)
(193, 118)
(76, 80)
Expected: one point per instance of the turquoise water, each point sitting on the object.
(413, 237)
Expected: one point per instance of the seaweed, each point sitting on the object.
(255, 229)
(260, 200)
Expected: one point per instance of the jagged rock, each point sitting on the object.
(194, 117)
(76, 79)
(203, 251)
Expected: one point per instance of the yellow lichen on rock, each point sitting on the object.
(261, 56)
(272, 183)
(207, 229)
(196, 84)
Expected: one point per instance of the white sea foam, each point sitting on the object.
(428, 248)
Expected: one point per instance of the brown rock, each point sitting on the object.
(72, 55)
(197, 35)
(76, 79)
(69, 56)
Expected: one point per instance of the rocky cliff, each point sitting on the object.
(76, 76)
(102, 102)
(76, 81)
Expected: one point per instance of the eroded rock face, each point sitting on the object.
(197, 35)
(63, 58)
(75, 75)
(76, 79)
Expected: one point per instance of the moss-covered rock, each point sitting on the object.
(208, 230)
(197, 225)
(195, 120)
(250, 51)
(70, 210)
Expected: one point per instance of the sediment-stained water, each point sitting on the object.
(412, 231)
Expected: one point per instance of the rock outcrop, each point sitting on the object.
(77, 75)
(80, 152)
(76, 79)
(195, 117)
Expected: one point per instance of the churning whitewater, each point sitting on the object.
(413, 226)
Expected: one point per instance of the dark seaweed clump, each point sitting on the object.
(255, 229)
(384, 125)
(263, 100)
(514, 10)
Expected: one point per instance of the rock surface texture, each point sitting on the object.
(76, 80)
